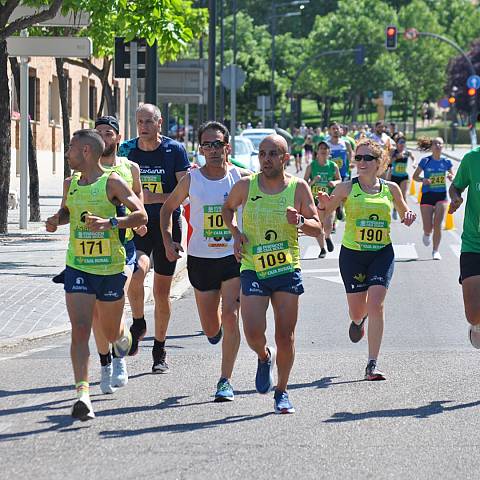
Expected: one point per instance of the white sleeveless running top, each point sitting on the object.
(210, 237)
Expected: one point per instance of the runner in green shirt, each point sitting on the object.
(297, 148)
(468, 175)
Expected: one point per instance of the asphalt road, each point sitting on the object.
(423, 422)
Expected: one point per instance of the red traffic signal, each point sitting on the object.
(471, 92)
(391, 37)
(451, 100)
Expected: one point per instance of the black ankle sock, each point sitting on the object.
(139, 321)
(158, 345)
(105, 359)
(114, 355)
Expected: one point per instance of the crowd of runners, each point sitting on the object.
(124, 201)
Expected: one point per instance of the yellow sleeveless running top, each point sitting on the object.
(100, 253)
(272, 247)
(124, 170)
(368, 216)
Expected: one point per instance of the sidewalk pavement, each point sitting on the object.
(31, 305)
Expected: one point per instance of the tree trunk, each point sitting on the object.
(107, 90)
(356, 107)
(63, 91)
(326, 112)
(32, 153)
(5, 138)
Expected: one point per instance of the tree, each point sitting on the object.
(6, 30)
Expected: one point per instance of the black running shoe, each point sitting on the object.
(356, 332)
(159, 363)
(322, 254)
(216, 338)
(372, 373)
(329, 243)
(138, 331)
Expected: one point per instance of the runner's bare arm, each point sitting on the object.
(304, 206)
(328, 203)
(407, 216)
(118, 192)
(455, 198)
(62, 217)
(175, 199)
(236, 198)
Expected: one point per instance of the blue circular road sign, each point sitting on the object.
(473, 81)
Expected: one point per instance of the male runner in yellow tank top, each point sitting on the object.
(95, 255)
(275, 204)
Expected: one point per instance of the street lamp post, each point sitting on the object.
(274, 17)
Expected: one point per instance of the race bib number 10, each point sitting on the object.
(213, 224)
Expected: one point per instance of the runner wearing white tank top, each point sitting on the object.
(212, 268)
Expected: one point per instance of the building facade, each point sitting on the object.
(83, 98)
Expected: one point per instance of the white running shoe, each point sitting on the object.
(123, 345)
(120, 374)
(436, 255)
(82, 409)
(426, 240)
(474, 335)
(106, 379)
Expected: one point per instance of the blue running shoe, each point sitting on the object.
(224, 391)
(282, 403)
(264, 377)
(123, 344)
(216, 338)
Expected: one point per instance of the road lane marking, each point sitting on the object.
(402, 252)
(27, 353)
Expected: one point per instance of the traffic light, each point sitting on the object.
(391, 37)
(451, 100)
(472, 92)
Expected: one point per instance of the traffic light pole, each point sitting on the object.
(473, 112)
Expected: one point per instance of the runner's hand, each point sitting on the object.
(409, 218)
(97, 224)
(426, 181)
(172, 251)
(323, 200)
(455, 204)
(239, 240)
(292, 216)
(51, 223)
(141, 231)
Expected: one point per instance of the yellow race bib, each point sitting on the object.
(92, 248)
(371, 234)
(152, 183)
(272, 259)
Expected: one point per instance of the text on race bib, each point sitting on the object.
(153, 183)
(213, 224)
(400, 168)
(371, 234)
(272, 259)
(92, 248)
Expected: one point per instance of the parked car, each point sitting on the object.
(245, 155)
(256, 135)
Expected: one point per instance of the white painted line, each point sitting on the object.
(320, 270)
(402, 252)
(29, 352)
(332, 279)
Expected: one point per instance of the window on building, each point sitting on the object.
(14, 106)
(54, 102)
(69, 92)
(33, 95)
(92, 101)
(84, 98)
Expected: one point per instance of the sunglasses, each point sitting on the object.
(365, 158)
(215, 144)
(402, 142)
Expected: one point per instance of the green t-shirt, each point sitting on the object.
(468, 175)
(297, 144)
(317, 139)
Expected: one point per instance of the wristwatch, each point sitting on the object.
(113, 222)
(300, 221)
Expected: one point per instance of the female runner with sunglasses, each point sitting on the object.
(366, 257)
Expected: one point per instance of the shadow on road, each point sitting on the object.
(424, 411)
(184, 427)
